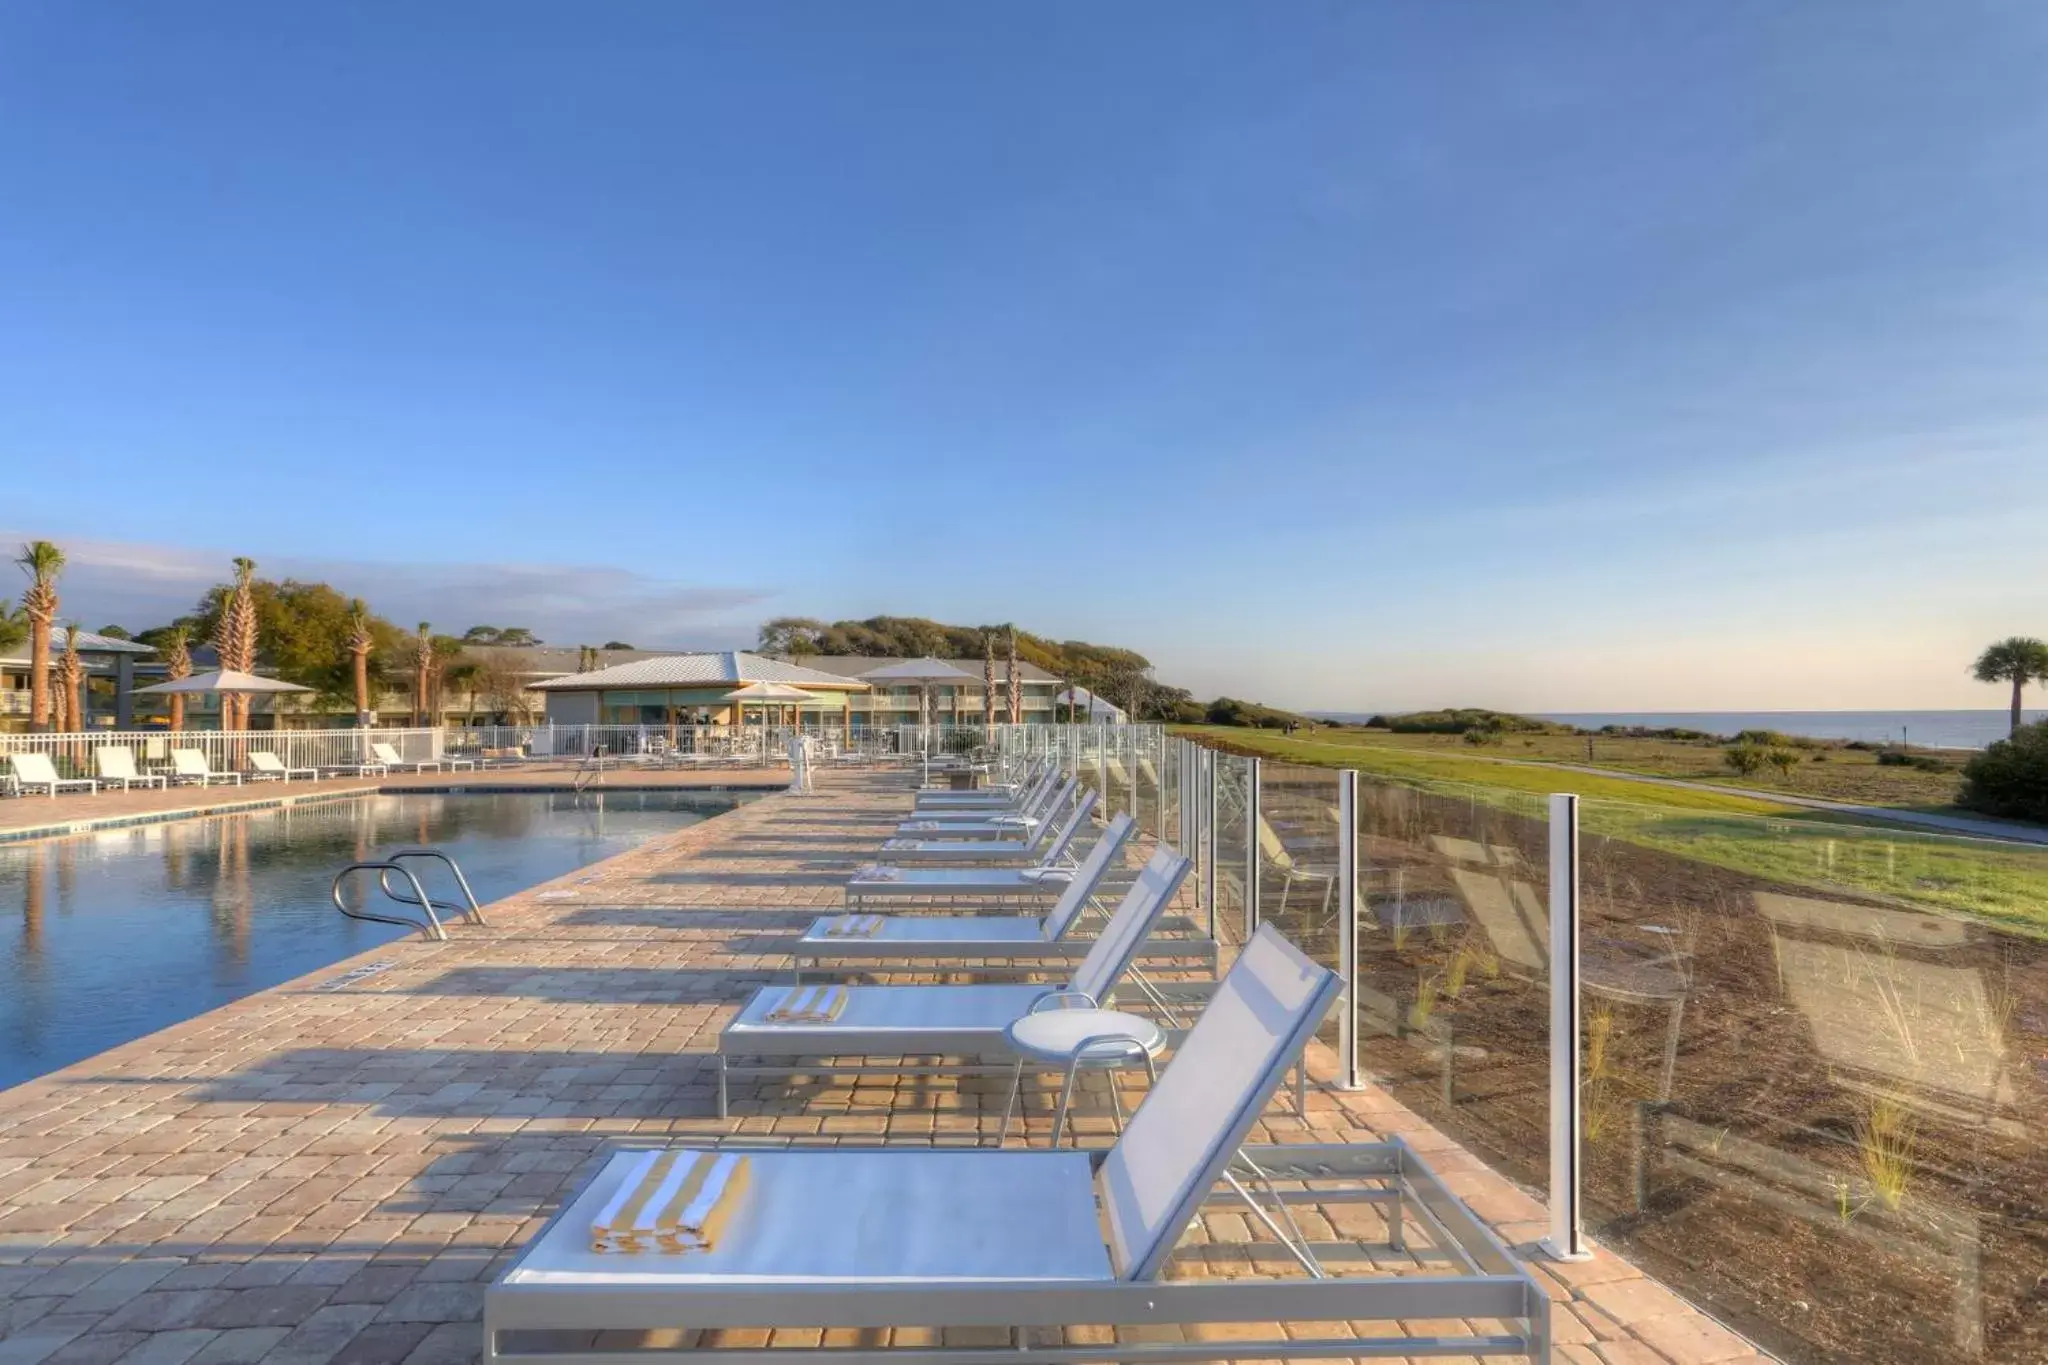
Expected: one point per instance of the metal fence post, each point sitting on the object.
(1565, 1242)
(1208, 837)
(1253, 821)
(1347, 929)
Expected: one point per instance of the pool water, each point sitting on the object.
(114, 934)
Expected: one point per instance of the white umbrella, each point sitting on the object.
(224, 680)
(924, 672)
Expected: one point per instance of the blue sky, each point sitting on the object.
(1347, 356)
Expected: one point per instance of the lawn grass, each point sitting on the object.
(1999, 883)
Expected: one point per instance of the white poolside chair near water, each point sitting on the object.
(270, 768)
(36, 770)
(936, 1021)
(190, 765)
(1021, 1243)
(116, 764)
(387, 755)
(1048, 873)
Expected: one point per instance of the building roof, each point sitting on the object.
(555, 660)
(730, 667)
(860, 665)
(89, 642)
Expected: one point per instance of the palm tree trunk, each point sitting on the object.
(177, 713)
(39, 672)
(362, 670)
(2019, 681)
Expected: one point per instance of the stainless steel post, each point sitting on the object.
(1253, 822)
(1565, 1242)
(1347, 929)
(1208, 837)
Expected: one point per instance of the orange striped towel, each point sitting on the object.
(809, 1005)
(853, 926)
(671, 1201)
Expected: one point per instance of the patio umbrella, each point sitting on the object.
(764, 693)
(227, 682)
(923, 672)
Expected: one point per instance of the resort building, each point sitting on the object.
(840, 691)
(113, 669)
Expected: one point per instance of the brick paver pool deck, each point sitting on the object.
(332, 1170)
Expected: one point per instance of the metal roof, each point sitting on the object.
(730, 667)
(863, 665)
(921, 670)
(89, 642)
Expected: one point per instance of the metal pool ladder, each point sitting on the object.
(395, 862)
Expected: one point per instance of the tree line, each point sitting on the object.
(304, 632)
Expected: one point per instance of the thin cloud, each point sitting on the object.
(140, 585)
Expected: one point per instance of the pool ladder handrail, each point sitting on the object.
(394, 862)
(591, 768)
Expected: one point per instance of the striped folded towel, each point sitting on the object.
(809, 1005)
(1018, 821)
(900, 843)
(922, 824)
(853, 926)
(671, 1201)
(1046, 874)
(879, 872)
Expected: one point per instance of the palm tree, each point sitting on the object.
(360, 643)
(42, 562)
(1016, 687)
(988, 677)
(13, 624)
(422, 665)
(72, 671)
(234, 639)
(461, 669)
(177, 664)
(2019, 661)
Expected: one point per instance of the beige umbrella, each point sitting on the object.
(767, 693)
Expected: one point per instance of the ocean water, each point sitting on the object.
(1931, 729)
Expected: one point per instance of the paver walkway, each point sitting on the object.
(332, 1170)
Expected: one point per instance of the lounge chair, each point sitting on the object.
(1011, 1246)
(388, 756)
(36, 770)
(270, 768)
(371, 769)
(189, 765)
(860, 939)
(1000, 796)
(116, 764)
(1004, 824)
(1024, 847)
(930, 1021)
(1049, 873)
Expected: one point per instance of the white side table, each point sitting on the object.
(1068, 1030)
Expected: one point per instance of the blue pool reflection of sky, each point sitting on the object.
(105, 937)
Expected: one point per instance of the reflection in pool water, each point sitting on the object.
(110, 935)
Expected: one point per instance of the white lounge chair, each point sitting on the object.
(36, 770)
(1025, 847)
(1048, 874)
(1002, 796)
(270, 768)
(1021, 938)
(1005, 824)
(933, 1021)
(189, 765)
(116, 764)
(387, 755)
(1016, 1244)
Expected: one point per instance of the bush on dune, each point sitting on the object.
(2011, 777)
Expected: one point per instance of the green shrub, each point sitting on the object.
(1900, 758)
(1764, 739)
(1748, 758)
(2011, 777)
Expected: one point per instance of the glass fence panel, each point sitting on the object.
(1298, 842)
(1454, 963)
(1814, 1083)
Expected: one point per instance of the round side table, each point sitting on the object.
(1074, 1038)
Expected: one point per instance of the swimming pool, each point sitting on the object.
(114, 934)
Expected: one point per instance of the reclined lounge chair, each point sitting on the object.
(1049, 874)
(934, 1021)
(862, 941)
(1023, 1244)
(270, 768)
(116, 764)
(36, 770)
(1004, 824)
(190, 765)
